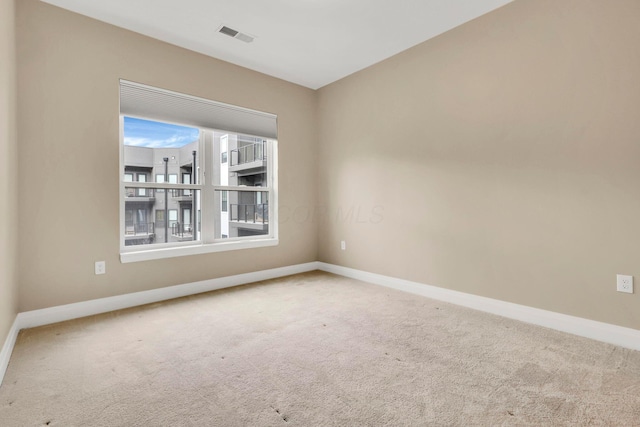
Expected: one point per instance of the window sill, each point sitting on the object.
(148, 255)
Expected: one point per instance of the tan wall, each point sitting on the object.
(69, 68)
(504, 157)
(8, 170)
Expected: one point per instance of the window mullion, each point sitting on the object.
(208, 192)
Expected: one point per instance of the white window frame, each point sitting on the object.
(142, 177)
(159, 180)
(173, 216)
(208, 243)
(186, 179)
(186, 219)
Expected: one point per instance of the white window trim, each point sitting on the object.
(206, 244)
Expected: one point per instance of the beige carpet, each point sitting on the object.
(313, 350)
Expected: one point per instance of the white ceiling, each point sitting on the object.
(308, 42)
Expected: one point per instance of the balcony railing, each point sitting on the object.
(181, 230)
(256, 214)
(249, 153)
(181, 193)
(139, 192)
(141, 228)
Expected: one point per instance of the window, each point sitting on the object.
(224, 201)
(160, 218)
(214, 170)
(186, 217)
(173, 217)
(142, 177)
(159, 179)
(186, 179)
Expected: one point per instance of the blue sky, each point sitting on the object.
(146, 133)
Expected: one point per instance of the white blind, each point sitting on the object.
(159, 104)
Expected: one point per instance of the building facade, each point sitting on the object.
(153, 215)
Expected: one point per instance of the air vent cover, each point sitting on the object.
(235, 34)
(228, 31)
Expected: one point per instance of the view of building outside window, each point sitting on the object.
(167, 153)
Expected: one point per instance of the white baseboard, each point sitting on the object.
(46, 316)
(605, 332)
(7, 348)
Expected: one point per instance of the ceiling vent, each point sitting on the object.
(235, 34)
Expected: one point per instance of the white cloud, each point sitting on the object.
(136, 142)
(175, 141)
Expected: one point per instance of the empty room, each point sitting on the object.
(319, 213)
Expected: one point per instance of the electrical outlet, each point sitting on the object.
(101, 267)
(624, 283)
(343, 245)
